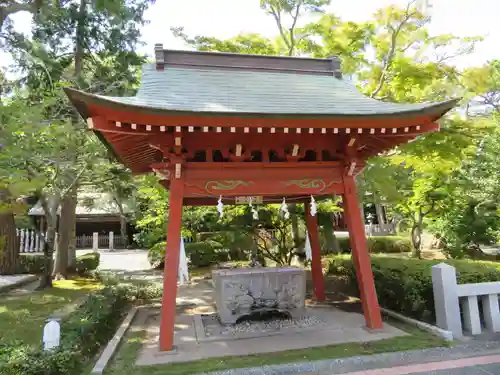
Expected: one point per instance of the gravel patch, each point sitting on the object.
(212, 325)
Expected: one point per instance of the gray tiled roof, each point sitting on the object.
(90, 204)
(237, 91)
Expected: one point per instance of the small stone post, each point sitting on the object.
(111, 241)
(470, 311)
(95, 241)
(21, 241)
(444, 285)
(491, 312)
(51, 334)
(37, 242)
(32, 241)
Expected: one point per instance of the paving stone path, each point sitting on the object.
(463, 359)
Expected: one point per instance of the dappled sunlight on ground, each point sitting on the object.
(78, 283)
(22, 316)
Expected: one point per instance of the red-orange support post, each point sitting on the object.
(316, 269)
(360, 255)
(171, 265)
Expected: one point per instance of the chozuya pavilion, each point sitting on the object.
(226, 125)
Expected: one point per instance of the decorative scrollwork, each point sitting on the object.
(225, 185)
(311, 183)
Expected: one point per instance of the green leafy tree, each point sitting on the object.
(472, 218)
(287, 14)
(16, 132)
(89, 44)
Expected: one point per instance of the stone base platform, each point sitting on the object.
(320, 326)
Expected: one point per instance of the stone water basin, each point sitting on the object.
(243, 292)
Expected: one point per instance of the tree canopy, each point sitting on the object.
(445, 182)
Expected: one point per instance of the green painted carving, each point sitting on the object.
(225, 185)
(311, 183)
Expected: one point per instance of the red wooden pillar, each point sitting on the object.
(316, 268)
(168, 307)
(360, 255)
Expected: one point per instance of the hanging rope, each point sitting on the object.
(255, 213)
(284, 209)
(313, 209)
(220, 207)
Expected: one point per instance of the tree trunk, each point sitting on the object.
(416, 238)
(9, 246)
(79, 39)
(123, 231)
(380, 214)
(66, 226)
(50, 206)
(332, 244)
(72, 201)
(292, 208)
(362, 209)
(123, 222)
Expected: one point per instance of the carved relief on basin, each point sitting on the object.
(242, 292)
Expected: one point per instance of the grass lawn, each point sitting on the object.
(123, 363)
(22, 316)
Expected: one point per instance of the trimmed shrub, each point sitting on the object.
(149, 237)
(82, 334)
(380, 244)
(206, 253)
(405, 285)
(156, 255)
(32, 263)
(239, 244)
(200, 254)
(35, 263)
(87, 262)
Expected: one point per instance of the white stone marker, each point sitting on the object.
(51, 335)
(95, 241)
(444, 285)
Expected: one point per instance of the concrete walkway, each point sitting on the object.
(10, 282)
(463, 359)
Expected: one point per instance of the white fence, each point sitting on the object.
(32, 242)
(29, 241)
(470, 307)
(380, 229)
(102, 241)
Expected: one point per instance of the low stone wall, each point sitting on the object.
(243, 291)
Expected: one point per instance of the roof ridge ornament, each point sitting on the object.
(336, 66)
(159, 56)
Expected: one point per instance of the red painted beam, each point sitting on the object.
(168, 306)
(316, 267)
(212, 201)
(241, 120)
(360, 255)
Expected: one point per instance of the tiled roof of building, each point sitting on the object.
(238, 91)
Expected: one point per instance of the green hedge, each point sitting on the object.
(379, 244)
(31, 263)
(200, 254)
(35, 263)
(206, 253)
(156, 255)
(405, 285)
(82, 334)
(87, 262)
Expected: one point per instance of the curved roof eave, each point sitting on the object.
(81, 100)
